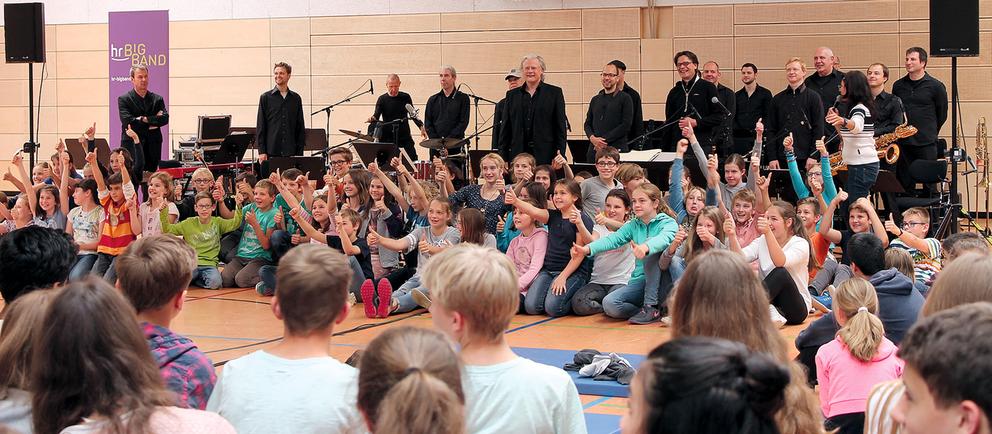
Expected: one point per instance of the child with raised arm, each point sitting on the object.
(120, 217)
(861, 218)
(611, 269)
(386, 216)
(856, 360)
(506, 231)
(912, 237)
(476, 295)
(562, 275)
(650, 231)
(253, 249)
(428, 241)
(160, 195)
(203, 233)
(43, 200)
(487, 197)
(295, 385)
(820, 178)
(153, 275)
(706, 231)
(733, 166)
(294, 190)
(84, 224)
(17, 217)
(684, 199)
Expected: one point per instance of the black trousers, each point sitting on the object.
(848, 423)
(784, 295)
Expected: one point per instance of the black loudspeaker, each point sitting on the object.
(24, 32)
(953, 28)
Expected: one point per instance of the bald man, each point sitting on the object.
(825, 81)
(391, 106)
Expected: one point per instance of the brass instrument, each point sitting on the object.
(885, 144)
(982, 151)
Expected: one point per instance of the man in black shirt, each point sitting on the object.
(637, 122)
(391, 107)
(825, 81)
(446, 115)
(888, 112)
(534, 117)
(609, 116)
(925, 101)
(721, 134)
(513, 81)
(690, 102)
(280, 129)
(145, 112)
(753, 102)
(796, 110)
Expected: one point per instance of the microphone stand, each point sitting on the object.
(643, 137)
(328, 109)
(476, 100)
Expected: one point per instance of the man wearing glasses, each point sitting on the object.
(609, 116)
(690, 103)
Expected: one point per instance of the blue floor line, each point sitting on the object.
(530, 325)
(596, 402)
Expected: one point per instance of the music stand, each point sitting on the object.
(381, 153)
(315, 139)
(579, 148)
(232, 149)
(475, 157)
(78, 152)
(312, 165)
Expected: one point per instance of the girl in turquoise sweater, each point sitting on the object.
(203, 234)
(651, 231)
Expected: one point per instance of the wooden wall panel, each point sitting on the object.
(708, 21)
(719, 49)
(656, 54)
(375, 24)
(82, 37)
(389, 59)
(610, 23)
(769, 52)
(218, 34)
(219, 62)
(595, 54)
(83, 92)
(497, 57)
(512, 36)
(814, 12)
(293, 32)
(522, 20)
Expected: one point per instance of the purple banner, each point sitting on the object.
(138, 38)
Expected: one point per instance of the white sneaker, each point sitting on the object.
(777, 317)
(666, 321)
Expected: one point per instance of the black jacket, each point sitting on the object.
(828, 87)
(797, 111)
(925, 102)
(534, 124)
(609, 116)
(446, 116)
(637, 123)
(888, 113)
(498, 122)
(750, 109)
(280, 129)
(131, 107)
(699, 94)
(390, 108)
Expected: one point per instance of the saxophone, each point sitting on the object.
(885, 144)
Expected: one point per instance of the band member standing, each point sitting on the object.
(721, 134)
(637, 123)
(888, 113)
(446, 115)
(753, 102)
(925, 101)
(856, 129)
(146, 113)
(534, 117)
(609, 116)
(797, 111)
(825, 81)
(690, 101)
(513, 81)
(391, 107)
(280, 129)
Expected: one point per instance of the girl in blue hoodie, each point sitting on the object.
(651, 231)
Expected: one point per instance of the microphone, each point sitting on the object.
(413, 112)
(716, 101)
(836, 101)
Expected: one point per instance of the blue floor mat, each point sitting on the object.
(602, 423)
(586, 386)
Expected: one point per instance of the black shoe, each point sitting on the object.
(647, 315)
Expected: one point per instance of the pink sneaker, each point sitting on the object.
(385, 292)
(368, 294)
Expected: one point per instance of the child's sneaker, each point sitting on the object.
(352, 301)
(368, 296)
(666, 321)
(385, 292)
(777, 317)
(647, 315)
(263, 290)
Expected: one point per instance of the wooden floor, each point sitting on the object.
(229, 323)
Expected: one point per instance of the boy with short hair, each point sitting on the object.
(948, 375)
(296, 386)
(261, 219)
(912, 237)
(203, 233)
(120, 208)
(594, 189)
(475, 295)
(153, 274)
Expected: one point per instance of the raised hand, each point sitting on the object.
(500, 183)
(680, 236)
(500, 224)
(374, 168)
(250, 218)
(579, 251)
(372, 238)
(302, 180)
(17, 159)
(763, 226)
(763, 182)
(815, 186)
(575, 216)
(510, 197)
(296, 239)
(840, 197)
(217, 193)
(91, 158)
(640, 250)
(890, 225)
(729, 227)
(705, 236)
(787, 143)
(278, 218)
(133, 135)
(90, 132)
(559, 161)
(424, 247)
(759, 128)
(600, 217)
(687, 130)
(822, 148)
(295, 213)
(329, 179)
(681, 147)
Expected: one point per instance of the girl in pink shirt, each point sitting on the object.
(859, 358)
(526, 251)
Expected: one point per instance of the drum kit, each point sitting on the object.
(423, 170)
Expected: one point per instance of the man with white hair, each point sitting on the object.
(533, 119)
(825, 81)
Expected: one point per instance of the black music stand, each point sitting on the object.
(232, 149)
(312, 165)
(315, 139)
(579, 148)
(78, 152)
(376, 152)
(475, 157)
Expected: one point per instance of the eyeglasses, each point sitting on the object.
(201, 206)
(202, 181)
(606, 164)
(683, 64)
(608, 75)
(911, 224)
(338, 162)
(817, 174)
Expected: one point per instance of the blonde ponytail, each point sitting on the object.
(421, 404)
(863, 331)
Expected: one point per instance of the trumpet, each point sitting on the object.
(885, 144)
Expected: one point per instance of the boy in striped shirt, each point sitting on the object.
(120, 209)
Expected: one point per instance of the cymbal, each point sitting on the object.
(447, 143)
(366, 142)
(358, 135)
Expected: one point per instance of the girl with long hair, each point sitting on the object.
(857, 131)
(487, 197)
(472, 225)
(707, 232)
(160, 189)
(23, 322)
(612, 269)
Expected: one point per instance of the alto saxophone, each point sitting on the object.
(885, 144)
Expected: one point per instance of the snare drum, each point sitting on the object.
(423, 170)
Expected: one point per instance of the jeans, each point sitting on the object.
(83, 266)
(243, 272)
(676, 268)
(831, 273)
(267, 275)
(405, 294)
(105, 267)
(860, 178)
(626, 301)
(540, 299)
(207, 277)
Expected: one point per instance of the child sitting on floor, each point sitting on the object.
(203, 233)
(253, 249)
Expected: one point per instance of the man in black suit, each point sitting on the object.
(534, 117)
(146, 113)
(690, 102)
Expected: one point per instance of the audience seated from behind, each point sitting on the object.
(153, 274)
(410, 382)
(295, 385)
(24, 322)
(475, 295)
(34, 258)
(94, 373)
